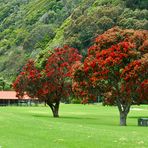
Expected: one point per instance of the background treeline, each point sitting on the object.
(29, 28)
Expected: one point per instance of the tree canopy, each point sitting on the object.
(116, 67)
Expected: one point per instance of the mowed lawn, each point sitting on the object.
(79, 126)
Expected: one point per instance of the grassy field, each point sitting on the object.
(79, 126)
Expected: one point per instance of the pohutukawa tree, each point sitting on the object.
(117, 68)
(53, 82)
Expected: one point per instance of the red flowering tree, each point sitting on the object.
(117, 68)
(52, 83)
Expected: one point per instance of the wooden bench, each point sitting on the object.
(143, 121)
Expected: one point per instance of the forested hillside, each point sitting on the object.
(29, 28)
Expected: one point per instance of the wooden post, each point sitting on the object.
(8, 102)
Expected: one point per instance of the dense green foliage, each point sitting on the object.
(30, 27)
(88, 126)
(4, 85)
(26, 27)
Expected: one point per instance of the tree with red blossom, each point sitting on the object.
(116, 67)
(52, 83)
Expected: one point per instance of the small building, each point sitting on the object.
(9, 98)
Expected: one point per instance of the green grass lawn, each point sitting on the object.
(79, 126)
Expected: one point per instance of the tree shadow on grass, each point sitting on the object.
(70, 117)
(42, 116)
(91, 121)
(79, 120)
(136, 117)
(62, 117)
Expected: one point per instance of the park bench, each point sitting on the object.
(143, 121)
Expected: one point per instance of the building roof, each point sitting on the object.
(10, 95)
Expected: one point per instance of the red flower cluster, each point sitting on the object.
(131, 71)
(27, 80)
(52, 82)
(143, 90)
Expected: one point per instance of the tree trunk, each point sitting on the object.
(123, 116)
(123, 110)
(54, 108)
